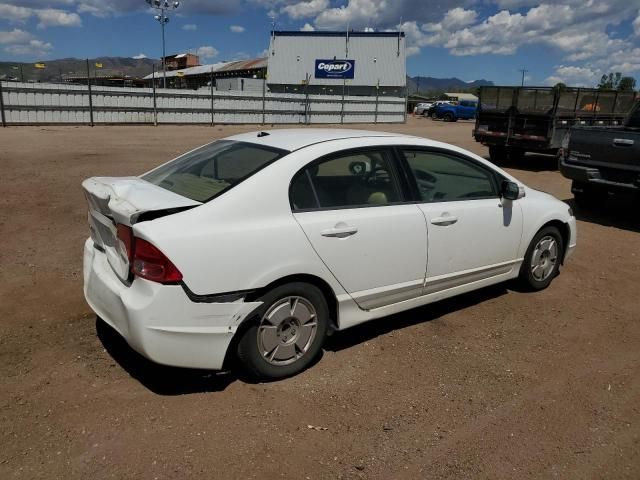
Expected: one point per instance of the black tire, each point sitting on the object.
(527, 278)
(249, 353)
(515, 154)
(587, 197)
(448, 117)
(498, 154)
(434, 116)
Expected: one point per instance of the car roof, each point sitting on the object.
(296, 138)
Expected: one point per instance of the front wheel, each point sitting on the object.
(288, 333)
(448, 117)
(542, 260)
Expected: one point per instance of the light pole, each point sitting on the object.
(162, 6)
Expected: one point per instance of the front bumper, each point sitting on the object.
(159, 321)
(573, 238)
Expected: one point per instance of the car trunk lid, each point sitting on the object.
(124, 200)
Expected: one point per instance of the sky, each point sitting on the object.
(573, 41)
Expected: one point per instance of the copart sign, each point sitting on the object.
(335, 68)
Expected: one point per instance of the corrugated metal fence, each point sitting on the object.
(49, 103)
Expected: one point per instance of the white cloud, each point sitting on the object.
(20, 42)
(207, 51)
(306, 9)
(33, 48)
(575, 76)
(51, 17)
(48, 17)
(580, 35)
(307, 27)
(139, 56)
(14, 36)
(236, 28)
(190, 27)
(636, 24)
(356, 12)
(14, 13)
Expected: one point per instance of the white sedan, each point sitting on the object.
(256, 247)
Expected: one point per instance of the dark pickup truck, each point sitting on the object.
(600, 160)
(515, 120)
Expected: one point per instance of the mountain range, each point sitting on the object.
(55, 69)
(432, 84)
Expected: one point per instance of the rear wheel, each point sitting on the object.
(542, 260)
(287, 334)
(497, 154)
(515, 154)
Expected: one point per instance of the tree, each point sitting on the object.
(615, 81)
(560, 87)
(627, 84)
(610, 81)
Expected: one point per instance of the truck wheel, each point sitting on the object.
(497, 154)
(515, 154)
(448, 117)
(587, 197)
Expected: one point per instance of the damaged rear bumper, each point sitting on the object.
(160, 321)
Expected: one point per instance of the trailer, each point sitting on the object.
(515, 120)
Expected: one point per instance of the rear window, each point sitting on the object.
(208, 171)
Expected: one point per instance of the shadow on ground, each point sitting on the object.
(618, 211)
(367, 331)
(164, 380)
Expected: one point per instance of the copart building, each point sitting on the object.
(353, 63)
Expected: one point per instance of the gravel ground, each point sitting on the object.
(493, 384)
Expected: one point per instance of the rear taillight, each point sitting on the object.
(145, 260)
(151, 264)
(125, 235)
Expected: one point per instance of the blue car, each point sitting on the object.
(463, 110)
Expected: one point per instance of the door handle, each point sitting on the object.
(341, 231)
(622, 142)
(444, 220)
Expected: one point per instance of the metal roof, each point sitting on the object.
(252, 64)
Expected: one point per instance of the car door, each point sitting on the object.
(352, 209)
(473, 234)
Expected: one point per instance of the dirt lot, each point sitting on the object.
(495, 384)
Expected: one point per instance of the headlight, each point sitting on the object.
(570, 212)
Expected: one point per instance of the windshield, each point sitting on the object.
(208, 171)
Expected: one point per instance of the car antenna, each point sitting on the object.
(263, 134)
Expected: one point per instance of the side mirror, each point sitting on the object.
(511, 190)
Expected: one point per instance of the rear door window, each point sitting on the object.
(357, 179)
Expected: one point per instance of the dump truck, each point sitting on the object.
(514, 120)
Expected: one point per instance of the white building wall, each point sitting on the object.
(377, 58)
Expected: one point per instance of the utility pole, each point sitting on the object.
(523, 70)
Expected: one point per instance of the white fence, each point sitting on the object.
(49, 103)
